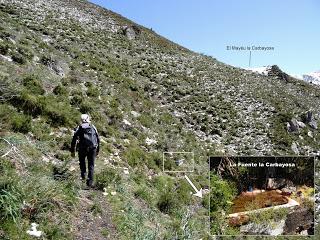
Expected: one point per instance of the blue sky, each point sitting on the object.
(292, 27)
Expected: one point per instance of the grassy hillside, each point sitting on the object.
(63, 58)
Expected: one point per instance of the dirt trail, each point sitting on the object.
(92, 219)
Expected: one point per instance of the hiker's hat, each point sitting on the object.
(85, 118)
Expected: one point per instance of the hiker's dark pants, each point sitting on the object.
(90, 154)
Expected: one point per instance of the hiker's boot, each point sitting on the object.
(89, 183)
(83, 176)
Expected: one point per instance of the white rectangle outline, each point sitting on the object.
(178, 171)
(274, 236)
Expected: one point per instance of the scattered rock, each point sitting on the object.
(179, 162)
(126, 171)
(72, 168)
(301, 124)
(293, 125)
(308, 117)
(113, 193)
(274, 183)
(45, 159)
(34, 232)
(135, 114)
(150, 141)
(2, 57)
(131, 32)
(313, 124)
(294, 148)
(59, 67)
(288, 190)
(105, 192)
(126, 122)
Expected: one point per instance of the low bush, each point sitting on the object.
(107, 177)
(60, 90)
(33, 84)
(18, 122)
(18, 58)
(21, 123)
(29, 103)
(4, 48)
(85, 107)
(59, 113)
(168, 203)
(26, 52)
(135, 156)
(146, 120)
(144, 194)
(93, 91)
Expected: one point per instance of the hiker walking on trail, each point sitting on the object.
(86, 138)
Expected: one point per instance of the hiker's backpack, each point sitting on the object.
(89, 137)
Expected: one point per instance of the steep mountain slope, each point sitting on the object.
(146, 96)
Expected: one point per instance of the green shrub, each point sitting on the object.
(85, 107)
(144, 194)
(18, 122)
(18, 58)
(88, 84)
(4, 48)
(61, 172)
(10, 194)
(222, 193)
(59, 113)
(63, 156)
(26, 52)
(60, 90)
(33, 84)
(168, 202)
(135, 156)
(10, 203)
(162, 182)
(76, 100)
(183, 193)
(154, 161)
(146, 120)
(93, 91)
(107, 177)
(5, 115)
(139, 177)
(21, 123)
(29, 103)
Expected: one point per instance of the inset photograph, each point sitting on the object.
(262, 195)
